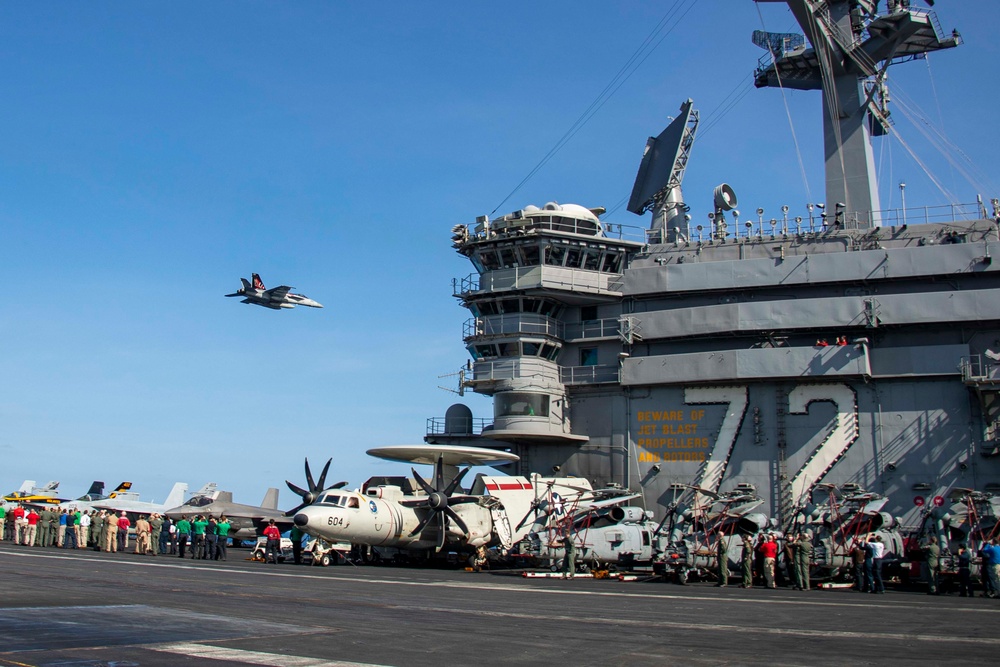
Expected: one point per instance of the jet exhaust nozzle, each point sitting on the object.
(630, 514)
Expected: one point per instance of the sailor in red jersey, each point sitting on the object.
(31, 531)
(769, 550)
(273, 536)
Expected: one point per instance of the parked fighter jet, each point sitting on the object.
(29, 493)
(128, 501)
(397, 517)
(275, 298)
(94, 494)
(245, 519)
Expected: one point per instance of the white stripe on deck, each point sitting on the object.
(250, 657)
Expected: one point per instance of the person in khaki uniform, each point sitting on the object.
(111, 538)
(142, 530)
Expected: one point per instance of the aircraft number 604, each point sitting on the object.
(335, 521)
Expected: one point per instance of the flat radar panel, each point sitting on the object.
(452, 455)
(659, 162)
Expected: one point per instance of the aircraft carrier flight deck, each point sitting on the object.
(84, 608)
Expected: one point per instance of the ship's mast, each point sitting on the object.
(852, 46)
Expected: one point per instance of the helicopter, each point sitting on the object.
(604, 528)
(695, 522)
(847, 515)
(972, 518)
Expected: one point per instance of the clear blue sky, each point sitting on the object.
(153, 153)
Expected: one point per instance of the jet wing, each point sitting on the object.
(277, 293)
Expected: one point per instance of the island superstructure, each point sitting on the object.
(845, 344)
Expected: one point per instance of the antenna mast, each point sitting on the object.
(850, 45)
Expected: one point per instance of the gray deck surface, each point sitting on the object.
(87, 609)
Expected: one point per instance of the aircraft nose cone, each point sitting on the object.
(301, 520)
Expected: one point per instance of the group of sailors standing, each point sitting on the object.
(105, 530)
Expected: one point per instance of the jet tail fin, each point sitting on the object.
(209, 490)
(176, 496)
(96, 489)
(27, 486)
(246, 283)
(224, 497)
(257, 282)
(270, 501)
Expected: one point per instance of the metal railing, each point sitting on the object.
(574, 375)
(506, 227)
(606, 328)
(513, 323)
(534, 277)
(471, 426)
(976, 369)
(817, 221)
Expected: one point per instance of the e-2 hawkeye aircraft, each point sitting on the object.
(398, 520)
(275, 298)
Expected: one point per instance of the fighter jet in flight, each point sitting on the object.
(275, 298)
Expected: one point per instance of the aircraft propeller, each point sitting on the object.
(315, 488)
(439, 500)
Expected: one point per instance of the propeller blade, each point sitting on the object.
(423, 524)
(428, 489)
(439, 473)
(309, 477)
(455, 482)
(422, 502)
(458, 500)
(339, 485)
(453, 515)
(442, 531)
(295, 510)
(322, 475)
(296, 490)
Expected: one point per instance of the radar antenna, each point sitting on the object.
(658, 184)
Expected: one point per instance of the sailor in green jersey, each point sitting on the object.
(183, 534)
(3, 520)
(223, 529)
(198, 533)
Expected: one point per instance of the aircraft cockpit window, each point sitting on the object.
(332, 499)
(352, 502)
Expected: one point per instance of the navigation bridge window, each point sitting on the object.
(506, 257)
(513, 404)
(605, 260)
(516, 305)
(524, 348)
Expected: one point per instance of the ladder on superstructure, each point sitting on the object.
(782, 481)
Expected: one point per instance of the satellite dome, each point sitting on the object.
(580, 212)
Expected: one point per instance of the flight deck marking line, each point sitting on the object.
(251, 657)
(812, 634)
(510, 588)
